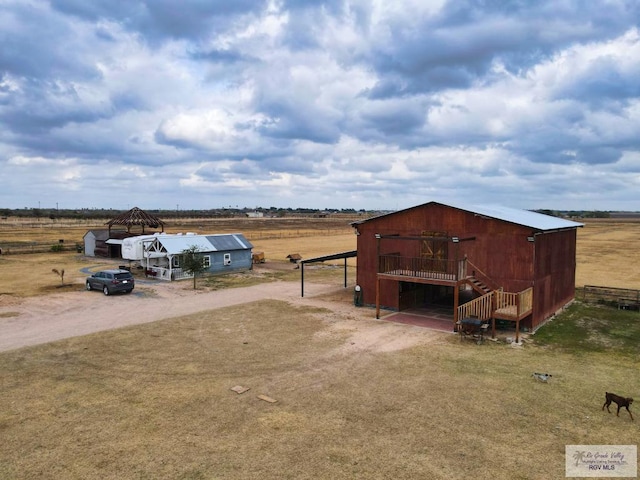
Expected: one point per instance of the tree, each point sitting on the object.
(60, 273)
(192, 263)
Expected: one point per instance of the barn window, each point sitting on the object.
(206, 261)
(175, 261)
(227, 259)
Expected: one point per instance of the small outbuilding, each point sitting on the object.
(108, 242)
(102, 243)
(294, 257)
(258, 257)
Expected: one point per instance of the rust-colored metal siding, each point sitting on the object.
(499, 249)
(555, 273)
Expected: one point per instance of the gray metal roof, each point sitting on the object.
(176, 244)
(527, 218)
(235, 241)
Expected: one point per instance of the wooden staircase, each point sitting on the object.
(493, 302)
(478, 285)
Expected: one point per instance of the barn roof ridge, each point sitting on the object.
(527, 218)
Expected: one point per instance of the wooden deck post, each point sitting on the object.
(456, 303)
(377, 297)
(378, 236)
(518, 298)
(494, 304)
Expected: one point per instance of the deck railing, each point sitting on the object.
(516, 304)
(508, 305)
(481, 276)
(480, 308)
(419, 267)
(162, 273)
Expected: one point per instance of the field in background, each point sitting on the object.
(606, 249)
(608, 253)
(25, 235)
(30, 274)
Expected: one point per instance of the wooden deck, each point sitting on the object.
(496, 304)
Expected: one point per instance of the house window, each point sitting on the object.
(206, 261)
(227, 259)
(175, 261)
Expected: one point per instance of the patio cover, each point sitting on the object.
(335, 256)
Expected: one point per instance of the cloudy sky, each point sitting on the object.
(371, 104)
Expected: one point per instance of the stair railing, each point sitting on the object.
(475, 272)
(480, 308)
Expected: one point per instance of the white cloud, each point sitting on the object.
(343, 104)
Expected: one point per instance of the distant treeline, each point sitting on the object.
(582, 213)
(101, 213)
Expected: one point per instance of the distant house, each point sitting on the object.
(517, 265)
(161, 254)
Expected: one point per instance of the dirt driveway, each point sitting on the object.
(37, 320)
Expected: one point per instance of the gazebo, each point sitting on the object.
(136, 217)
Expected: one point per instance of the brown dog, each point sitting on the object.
(618, 400)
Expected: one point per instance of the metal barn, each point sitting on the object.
(488, 262)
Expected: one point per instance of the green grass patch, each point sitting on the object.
(584, 328)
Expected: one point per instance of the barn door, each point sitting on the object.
(434, 250)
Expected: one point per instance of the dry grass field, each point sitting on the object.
(605, 249)
(154, 400)
(607, 254)
(31, 274)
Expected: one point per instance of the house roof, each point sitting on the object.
(527, 218)
(176, 244)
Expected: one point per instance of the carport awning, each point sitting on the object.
(335, 256)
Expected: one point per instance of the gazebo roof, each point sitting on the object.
(138, 217)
